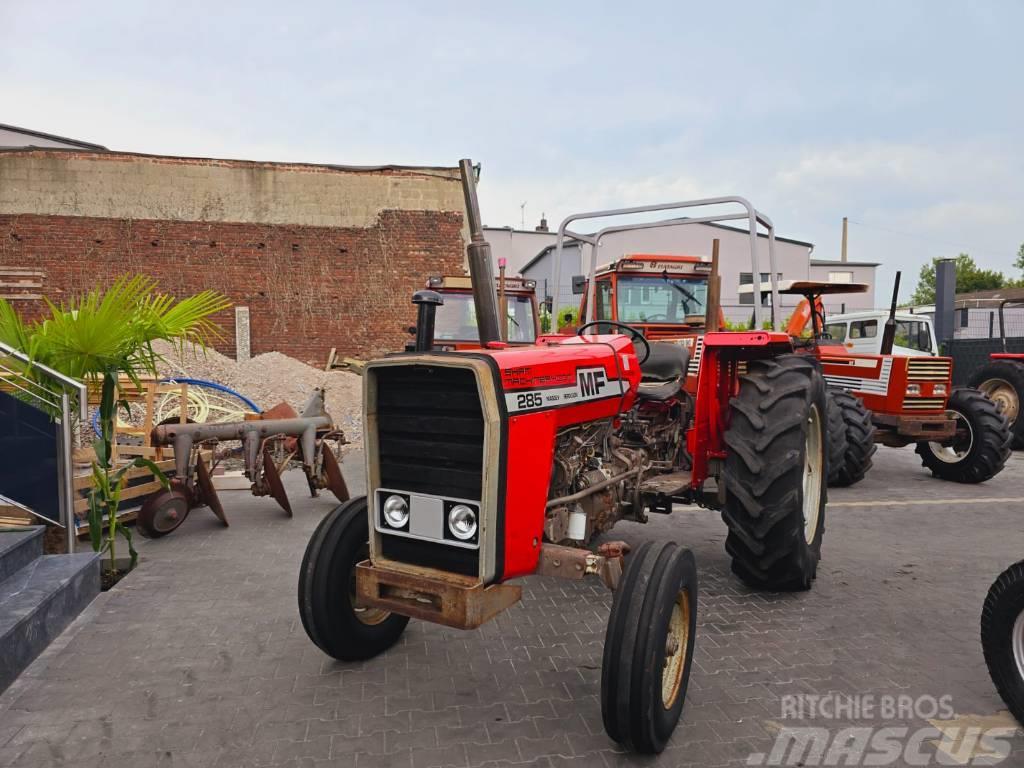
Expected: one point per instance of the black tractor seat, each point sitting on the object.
(662, 372)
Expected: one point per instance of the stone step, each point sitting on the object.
(18, 549)
(38, 601)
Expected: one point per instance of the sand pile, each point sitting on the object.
(269, 378)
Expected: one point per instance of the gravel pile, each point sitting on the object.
(269, 378)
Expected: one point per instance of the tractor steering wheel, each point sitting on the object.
(635, 335)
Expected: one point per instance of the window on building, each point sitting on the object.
(840, 277)
(864, 329)
(747, 278)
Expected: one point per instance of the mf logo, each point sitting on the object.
(591, 382)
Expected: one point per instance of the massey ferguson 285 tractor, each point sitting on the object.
(488, 465)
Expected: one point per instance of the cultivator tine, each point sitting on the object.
(335, 480)
(274, 483)
(210, 497)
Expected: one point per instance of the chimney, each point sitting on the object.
(543, 226)
(846, 224)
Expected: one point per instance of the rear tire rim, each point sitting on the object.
(1017, 641)
(813, 462)
(368, 616)
(955, 453)
(1002, 393)
(677, 648)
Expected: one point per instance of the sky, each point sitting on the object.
(906, 117)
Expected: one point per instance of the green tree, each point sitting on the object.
(97, 337)
(969, 277)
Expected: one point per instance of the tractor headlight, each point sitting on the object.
(396, 511)
(939, 389)
(462, 522)
(913, 389)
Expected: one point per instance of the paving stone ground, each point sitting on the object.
(198, 658)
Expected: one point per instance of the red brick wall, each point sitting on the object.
(307, 288)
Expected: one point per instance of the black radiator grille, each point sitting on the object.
(430, 430)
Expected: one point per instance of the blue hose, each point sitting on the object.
(192, 383)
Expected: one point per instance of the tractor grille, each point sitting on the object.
(924, 403)
(935, 369)
(430, 440)
(430, 430)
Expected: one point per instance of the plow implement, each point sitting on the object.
(268, 447)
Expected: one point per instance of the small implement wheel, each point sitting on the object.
(648, 647)
(858, 439)
(327, 581)
(775, 473)
(980, 447)
(164, 511)
(1002, 637)
(1002, 382)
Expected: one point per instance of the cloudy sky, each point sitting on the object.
(908, 117)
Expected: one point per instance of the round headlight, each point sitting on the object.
(462, 522)
(396, 511)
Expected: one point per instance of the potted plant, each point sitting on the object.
(97, 337)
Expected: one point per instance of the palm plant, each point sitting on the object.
(96, 338)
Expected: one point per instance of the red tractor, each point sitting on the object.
(959, 434)
(487, 465)
(455, 324)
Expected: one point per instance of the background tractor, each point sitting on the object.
(486, 465)
(959, 434)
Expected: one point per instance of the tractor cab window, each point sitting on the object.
(836, 331)
(913, 334)
(456, 319)
(650, 299)
(864, 329)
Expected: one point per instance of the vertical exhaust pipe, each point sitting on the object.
(481, 268)
(426, 303)
(889, 334)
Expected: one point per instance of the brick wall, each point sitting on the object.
(323, 256)
(308, 288)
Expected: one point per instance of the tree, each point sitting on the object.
(969, 277)
(97, 337)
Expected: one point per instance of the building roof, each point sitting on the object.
(835, 263)
(53, 137)
(989, 298)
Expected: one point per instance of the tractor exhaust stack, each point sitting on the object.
(481, 268)
(889, 334)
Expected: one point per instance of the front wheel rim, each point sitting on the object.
(1002, 393)
(813, 461)
(957, 452)
(1017, 642)
(677, 648)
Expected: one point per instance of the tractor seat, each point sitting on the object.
(661, 373)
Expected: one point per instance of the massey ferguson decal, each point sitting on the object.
(590, 384)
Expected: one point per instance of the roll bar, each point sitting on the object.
(750, 214)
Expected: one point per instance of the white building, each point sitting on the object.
(793, 262)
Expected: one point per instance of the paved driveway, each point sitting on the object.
(198, 658)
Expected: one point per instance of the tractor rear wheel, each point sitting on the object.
(648, 647)
(980, 447)
(774, 473)
(327, 604)
(858, 438)
(1002, 382)
(1002, 637)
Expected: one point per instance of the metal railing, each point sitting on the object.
(52, 392)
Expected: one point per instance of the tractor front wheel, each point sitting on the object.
(1002, 382)
(1002, 637)
(858, 439)
(980, 447)
(774, 474)
(648, 648)
(327, 595)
